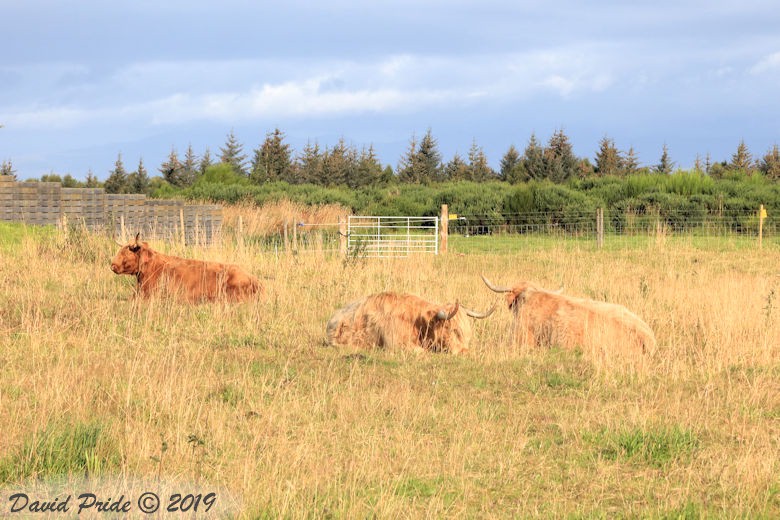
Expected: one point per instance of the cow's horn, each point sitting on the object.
(136, 239)
(443, 315)
(480, 315)
(495, 288)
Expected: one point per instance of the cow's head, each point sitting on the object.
(448, 328)
(517, 295)
(131, 257)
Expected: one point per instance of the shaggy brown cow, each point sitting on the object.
(391, 320)
(194, 280)
(545, 318)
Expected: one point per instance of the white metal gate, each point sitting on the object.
(392, 236)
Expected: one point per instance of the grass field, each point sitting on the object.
(248, 398)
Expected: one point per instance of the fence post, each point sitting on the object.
(444, 231)
(600, 227)
(295, 237)
(342, 235)
(286, 241)
(761, 217)
(183, 229)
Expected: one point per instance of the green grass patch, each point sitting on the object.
(61, 449)
(12, 234)
(415, 488)
(656, 446)
(512, 243)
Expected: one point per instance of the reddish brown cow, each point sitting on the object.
(389, 320)
(545, 318)
(194, 280)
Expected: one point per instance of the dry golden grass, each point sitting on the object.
(270, 218)
(249, 398)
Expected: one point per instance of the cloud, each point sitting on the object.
(178, 92)
(767, 64)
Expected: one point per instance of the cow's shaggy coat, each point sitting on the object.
(390, 320)
(543, 318)
(194, 280)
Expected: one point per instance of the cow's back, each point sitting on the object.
(548, 318)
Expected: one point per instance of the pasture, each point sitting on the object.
(248, 397)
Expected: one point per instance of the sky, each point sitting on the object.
(82, 81)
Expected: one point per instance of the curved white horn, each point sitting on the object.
(495, 288)
(480, 315)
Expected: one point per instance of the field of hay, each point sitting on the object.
(248, 398)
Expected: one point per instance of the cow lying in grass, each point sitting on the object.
(194, 280)
(544, 318)
(389, 320)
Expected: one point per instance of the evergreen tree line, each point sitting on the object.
(422, 163)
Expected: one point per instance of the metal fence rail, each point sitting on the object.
(374, 236)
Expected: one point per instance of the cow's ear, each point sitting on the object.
(447, 312)
(521, 297)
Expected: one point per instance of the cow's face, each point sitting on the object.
(445, 329)
(129, 259)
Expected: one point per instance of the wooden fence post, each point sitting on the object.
(183, 229)
(286, 241)
(761, 217)
(600, 227)
(445, 228)
(295, 237)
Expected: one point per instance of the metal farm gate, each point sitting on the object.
(392, 236)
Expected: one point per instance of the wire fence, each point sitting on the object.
(501, 231)
(616, 223)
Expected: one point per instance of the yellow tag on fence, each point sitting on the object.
(453, 216)
(762, 213)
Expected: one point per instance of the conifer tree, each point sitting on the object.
(478, 164)
(172, 169)
(368, 171)
(205, 162)
(631, 162)
(510, 166)
(533, 160)
(233, 154)
(457, 169)
(742, 159)
(608, 160)
(770, 164)
(666, 165)
(407, 167)
(139, 179)
(428, 159)
(308, 168)
(271, 162)
(117, 178)
(91, 181)
(560, 161)
(189, 167)
(338, 164)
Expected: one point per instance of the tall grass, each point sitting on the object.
(248, 396)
